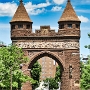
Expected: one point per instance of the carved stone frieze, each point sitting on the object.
(48, 45)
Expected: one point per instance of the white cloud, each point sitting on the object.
(56, 8)
(59, 1)
(7, 9)
(36, 11)
(36, 8)
(29, 5)
(83, 19)
(83, 11)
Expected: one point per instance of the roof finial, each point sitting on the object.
(68, 0)
(21, 1)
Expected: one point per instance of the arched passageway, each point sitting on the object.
(65, 42)
(50, 55)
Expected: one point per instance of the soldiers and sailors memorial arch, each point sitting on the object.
(62, 46)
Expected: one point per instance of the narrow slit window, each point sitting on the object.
(13, 27)
(28, 27)
(69, 25)
(77, 26)
(20, 26)
(62, 26)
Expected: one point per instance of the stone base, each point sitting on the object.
(27, 86)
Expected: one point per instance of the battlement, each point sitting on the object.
(45, 31)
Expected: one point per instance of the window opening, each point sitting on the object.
(28, 27)
(69, 25)
(77, 26)
(62, 26)
(13, 27)
(20, 26)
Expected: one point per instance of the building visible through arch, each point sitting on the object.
(48, 67)
(62, 46)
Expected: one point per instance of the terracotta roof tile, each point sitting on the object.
(69, 13)
(21, 14)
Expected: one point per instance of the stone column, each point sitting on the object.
(27, 85)
(71, 74)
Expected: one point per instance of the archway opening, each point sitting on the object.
(49, 63)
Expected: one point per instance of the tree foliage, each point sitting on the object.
(35, 74)
(52, 83)
(58, 74)
(85, 72)
(10, 74)
(88, 46)
(85, 76)
(2, 43)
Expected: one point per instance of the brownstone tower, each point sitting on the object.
(62, 46)
(21, 21)
(69, 26)
(21, 25)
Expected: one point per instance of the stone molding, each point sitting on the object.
(49, 45)
(59, 58)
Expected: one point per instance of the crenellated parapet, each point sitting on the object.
(44, 32)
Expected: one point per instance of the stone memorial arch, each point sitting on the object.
(62, 46)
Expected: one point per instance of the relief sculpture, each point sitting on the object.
(49, 45)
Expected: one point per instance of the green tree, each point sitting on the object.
(51, 83)
(35, 74)
(81, 68)
(10, 74)
(88, 46)
(2, 43)
(85, 76)
(85, 72)
(58, 74)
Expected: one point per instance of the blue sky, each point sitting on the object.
(45, 12)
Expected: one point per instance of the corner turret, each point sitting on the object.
(69, 19)
(21, 21)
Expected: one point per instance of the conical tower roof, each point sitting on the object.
(69, 13)
(21, 14)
